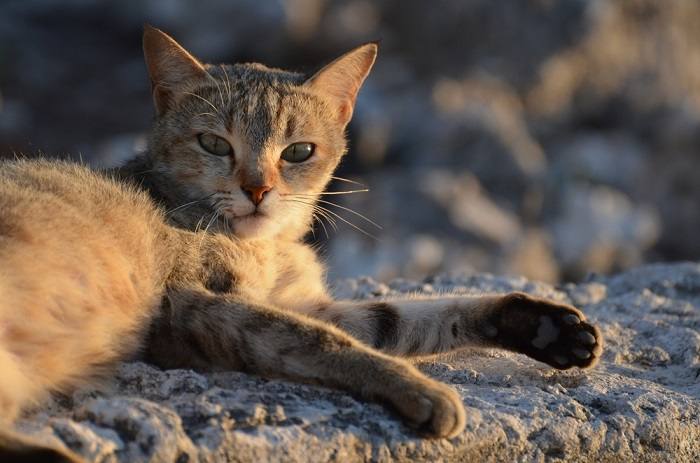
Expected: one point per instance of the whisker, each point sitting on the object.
(331, 221)
(332, 193)
(349, 223)
(141, 172)
(221, 94)
(316, 210)
(204, 100)
(188, 204)
(228, 83)
(321, 208)
(320, 222)
(315, 218)
(347, 180)
(199, 224)
(214, 216)
(211, 221)
(350, 211)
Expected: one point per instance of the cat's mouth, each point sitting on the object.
(250, 225)
(253, 215)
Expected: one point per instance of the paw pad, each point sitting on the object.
(547, 331)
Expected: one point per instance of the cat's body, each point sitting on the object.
(193, 257)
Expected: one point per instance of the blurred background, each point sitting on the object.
(546, 138)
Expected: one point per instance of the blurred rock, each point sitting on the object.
(616, 160)
(469, 208)
(599, 229)
(532, 255)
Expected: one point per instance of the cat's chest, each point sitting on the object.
(286, 276)
(249, 270)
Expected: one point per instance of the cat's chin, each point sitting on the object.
(253, 226)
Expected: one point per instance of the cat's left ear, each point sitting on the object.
(341, 80)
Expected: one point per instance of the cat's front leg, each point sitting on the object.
(553, 333)
(198, 329)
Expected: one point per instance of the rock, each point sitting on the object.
(642, 403)
(600, 229)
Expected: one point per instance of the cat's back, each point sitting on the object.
(80, 258)
(31, 185)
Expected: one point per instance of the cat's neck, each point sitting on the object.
(179, 209)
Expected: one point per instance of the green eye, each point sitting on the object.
(298, 152)
(214, 145)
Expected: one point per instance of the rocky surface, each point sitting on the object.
(642, 403)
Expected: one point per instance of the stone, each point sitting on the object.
(641, 403)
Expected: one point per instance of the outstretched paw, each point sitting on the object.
(547, 331)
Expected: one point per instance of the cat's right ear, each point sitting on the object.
(169, 66)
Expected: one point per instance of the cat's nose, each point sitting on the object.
(256, 193)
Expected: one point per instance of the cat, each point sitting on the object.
(192, 255)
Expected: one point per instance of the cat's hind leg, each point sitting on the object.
(18, 448)
(548, 331)
(17, 391)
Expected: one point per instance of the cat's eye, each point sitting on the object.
(214, 145)
(298, 152)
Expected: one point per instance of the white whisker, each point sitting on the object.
(364, 232)
(315, 211)
(204, 100)
(342, 219)
(348, 210)
(341, 179)
(188, 204)
(348, 192)
(352, 212)
(229, 90)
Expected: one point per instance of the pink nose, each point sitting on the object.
(256, 193)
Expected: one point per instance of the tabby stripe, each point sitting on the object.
(386, 319)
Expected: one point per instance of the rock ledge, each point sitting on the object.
(642, 403)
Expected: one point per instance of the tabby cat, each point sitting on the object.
(192, 256)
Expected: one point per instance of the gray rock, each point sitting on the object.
(600, 229)
(642, 403)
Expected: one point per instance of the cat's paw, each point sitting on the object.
(433, 408)
(553, 333)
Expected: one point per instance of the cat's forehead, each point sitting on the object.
(261, 102)
(255, 77)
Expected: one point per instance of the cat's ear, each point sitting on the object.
(341, 80)
(169, 66)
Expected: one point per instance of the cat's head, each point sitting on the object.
(252, 144)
